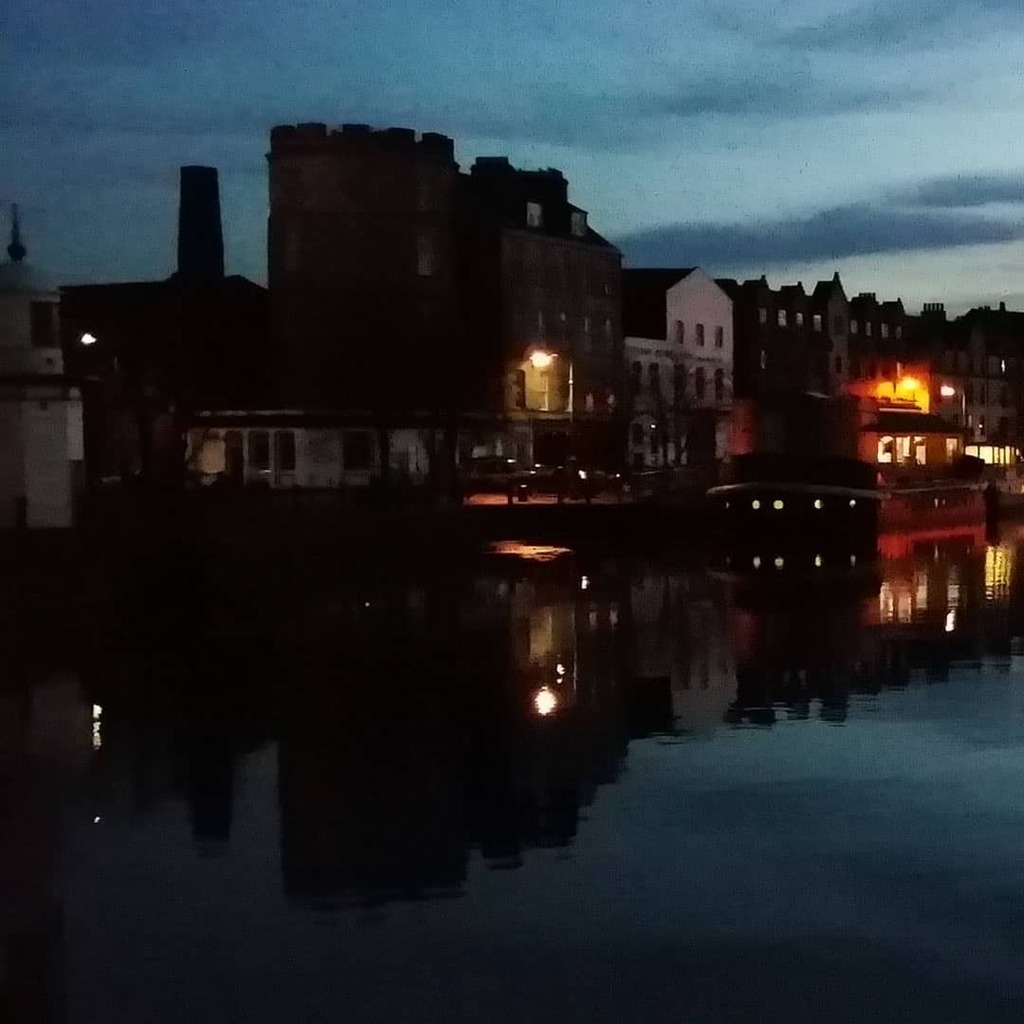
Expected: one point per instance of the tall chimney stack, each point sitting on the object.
(200, 241)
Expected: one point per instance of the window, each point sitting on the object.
(284, 451)
(680, 332)
(699, 334)
(885, 330)
(853, 326)
(719, 385)
(920, 451)
(867, 328)
(534, 215)
(357, 450)
(637, 431)
(762, 315)
(951, 448)
(699, 382)
(885, 445)
(680, 382)
(780, 317)
(259, 450)
(43, 324)
(425, 256)
(816, 323)
(799, 319)
(839, 325)
(719, 337)
(654, 377)
(764, 360)
(899, 331)
(579, 223)
(635, 375)
(839, 364)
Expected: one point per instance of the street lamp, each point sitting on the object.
(948, 391)
(88, 339)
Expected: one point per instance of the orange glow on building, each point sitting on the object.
(910, 388)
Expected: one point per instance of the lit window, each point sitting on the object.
(951, 448)
(853, 327)
(885, 449)
(534, 215)
(764, 360)
(780, 317)
(699, 334)
(899, 331)
(816, 323)
(799, 319)
(579, 223)
(762, 315)
(885, 331)
(867, 328)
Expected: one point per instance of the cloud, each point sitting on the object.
(882, 24)
(961, 191)
(852, 230)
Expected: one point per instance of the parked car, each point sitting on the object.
(496, 475)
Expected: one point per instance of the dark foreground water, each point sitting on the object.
(541, 789)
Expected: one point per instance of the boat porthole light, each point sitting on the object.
(779, 563)
(757, 561)
(853, 559)
(817, 503)
(817, 561)
(853, 503)
(755, 504)
(778, 504)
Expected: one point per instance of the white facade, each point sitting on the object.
(282, 456)
(651, 368)
(698, 315)
(40, 416)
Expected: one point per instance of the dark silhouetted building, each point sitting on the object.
(200, 238)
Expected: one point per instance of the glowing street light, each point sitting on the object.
(88, 339)
(545, 701)
(910, 384)
(947, 391)
(541, 360)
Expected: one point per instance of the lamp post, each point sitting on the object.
(541, 359)
(948, 391)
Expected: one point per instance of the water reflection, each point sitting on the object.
(421, 734)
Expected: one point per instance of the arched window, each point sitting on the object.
(699, 382)
(719, 385)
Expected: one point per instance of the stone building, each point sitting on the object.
(362, 268)
(540, 314)
(40, 412)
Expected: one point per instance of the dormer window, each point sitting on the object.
(534, 215)
(579, 223)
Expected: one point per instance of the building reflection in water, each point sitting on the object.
(425, 727)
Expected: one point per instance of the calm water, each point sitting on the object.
(544, 789)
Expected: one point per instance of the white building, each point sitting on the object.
(698, 314)
(653, 438)
(40, 415)
(681, 382)
(282, 449)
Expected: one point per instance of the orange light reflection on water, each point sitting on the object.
(528, 552)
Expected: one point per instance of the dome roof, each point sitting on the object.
(23, 277)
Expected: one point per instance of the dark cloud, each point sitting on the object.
(962, 191)
(854, 230)
(882, 24)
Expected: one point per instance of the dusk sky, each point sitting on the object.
(791, 138)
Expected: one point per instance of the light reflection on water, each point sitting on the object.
(548, 788)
